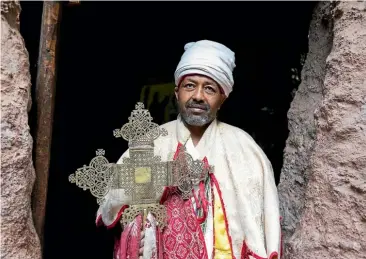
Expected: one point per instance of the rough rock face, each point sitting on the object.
(18, 235)
(323, 183)
(301, 140)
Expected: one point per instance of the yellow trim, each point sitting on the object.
(222, 243)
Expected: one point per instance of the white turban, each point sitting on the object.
(210, 59)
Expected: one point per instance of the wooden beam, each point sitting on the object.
(73, 2)
(44, 105)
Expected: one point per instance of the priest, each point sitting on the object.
(234, 213)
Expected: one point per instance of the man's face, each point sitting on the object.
(199, 98)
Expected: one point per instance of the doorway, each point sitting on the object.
(113, 54)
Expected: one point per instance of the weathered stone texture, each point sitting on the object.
(323, 183)
(18, 235)
(300, 143)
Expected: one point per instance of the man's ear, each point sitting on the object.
(223, 98)
(176, 89)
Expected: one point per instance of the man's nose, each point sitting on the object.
(198, 94)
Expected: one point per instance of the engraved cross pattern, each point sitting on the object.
(142, 176)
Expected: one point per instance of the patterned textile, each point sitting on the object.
(245, 183)
(130, 240)
(183, 237)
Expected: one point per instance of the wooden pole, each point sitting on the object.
(44, 105)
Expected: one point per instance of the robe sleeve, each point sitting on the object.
(271, 213)
(110, 211)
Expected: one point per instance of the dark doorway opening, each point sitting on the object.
(110, 50)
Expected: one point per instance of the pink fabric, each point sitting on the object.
(129, 243)
(181, 239)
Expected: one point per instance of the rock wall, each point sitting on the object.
(323, 183)
(301, 121)
(18, 235)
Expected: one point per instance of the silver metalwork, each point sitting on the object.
(187, 173)
(139, 181)
(140, 130)
(94, 177)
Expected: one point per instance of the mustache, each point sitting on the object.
(199, 105)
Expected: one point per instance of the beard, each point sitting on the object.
(196, 119)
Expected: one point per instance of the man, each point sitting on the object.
(234, 213)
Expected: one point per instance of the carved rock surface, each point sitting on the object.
(301, 140)
(18, 236)
(323, 183)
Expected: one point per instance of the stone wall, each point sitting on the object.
(18, 235)
(323, 183)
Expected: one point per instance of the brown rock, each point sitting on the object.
(301, 140)
(323, 183)
(18, 235)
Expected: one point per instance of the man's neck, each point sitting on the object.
(197, 132)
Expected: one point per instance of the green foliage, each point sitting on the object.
(160, 96)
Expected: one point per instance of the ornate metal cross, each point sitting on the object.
(141, 178)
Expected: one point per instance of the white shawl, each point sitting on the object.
(246, 180)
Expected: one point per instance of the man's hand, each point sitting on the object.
(141, 250)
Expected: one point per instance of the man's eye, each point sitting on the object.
(210, 89)
(189, 86)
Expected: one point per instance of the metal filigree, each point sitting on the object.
(139, 181)
(94, 177)
(140, 130)
(157, 210)
(142, 176)
(187, 173)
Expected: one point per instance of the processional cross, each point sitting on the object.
(139, 181)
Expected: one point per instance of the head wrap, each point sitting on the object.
(210, 59)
